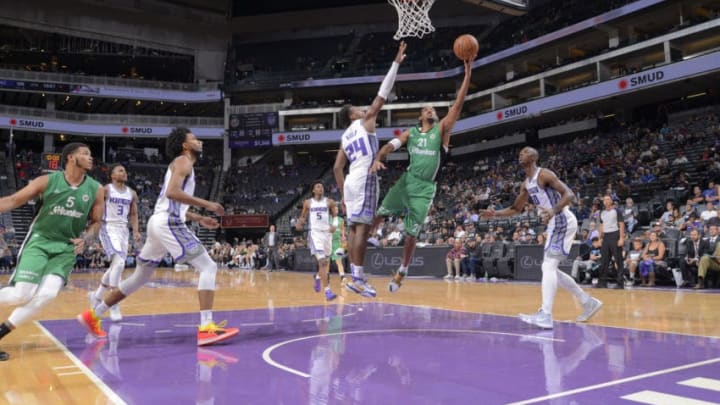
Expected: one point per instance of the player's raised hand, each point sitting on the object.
(468, 65)
(209, 222)
(400, 57)
(216, 208)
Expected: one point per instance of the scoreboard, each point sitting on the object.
(51, 162)
(252, 130)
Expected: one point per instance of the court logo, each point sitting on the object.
(530, 262)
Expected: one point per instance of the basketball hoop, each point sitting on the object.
(413, 18)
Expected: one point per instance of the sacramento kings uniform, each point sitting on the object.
(166, 229)
(562, 227)
(415, 189)
(114, 233)
(62, 216)
(361, 188)
(320, 240)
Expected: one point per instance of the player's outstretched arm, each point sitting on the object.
(181, 168)
(134, 221)
(341, 161)
(547, 178)
(95, 217)
(385, 88)
(35, 188)
(515, 209)
(303, 216)
(447, 123)
(393, 145)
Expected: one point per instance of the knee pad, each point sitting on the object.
(208, 269)
(142, 274)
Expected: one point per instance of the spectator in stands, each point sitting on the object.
(453, 259)
(710, 260)
(697, 197)
(711, 193)
(680, 159)
(709, 212)
(588, 263)
(669, 206)
(633, 258)
(652, 258)
(695, 247)
(472, 258)
(630, 215)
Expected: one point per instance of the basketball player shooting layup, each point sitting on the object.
(552, 197)
(360, 188)
(167, 233)
(415, 190)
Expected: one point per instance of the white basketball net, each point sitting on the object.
(413, 18)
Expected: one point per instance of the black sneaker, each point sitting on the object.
(4, 356)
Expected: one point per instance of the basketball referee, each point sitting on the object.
(612, 233)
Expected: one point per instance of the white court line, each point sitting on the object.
(257, 324)
(388, 314)
(111, 395)
(593, 323)
(164, 331)
(63, 367)
(616, 382)
(185, 326)
(131, 324)
(702, 382)
(659, 398)
(70, 373)
(268, 359)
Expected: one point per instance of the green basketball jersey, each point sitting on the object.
(338, 223)
(424, 151)
(64, 210)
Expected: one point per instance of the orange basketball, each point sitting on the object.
(466, 47)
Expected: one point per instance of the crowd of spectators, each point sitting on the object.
(38, 51)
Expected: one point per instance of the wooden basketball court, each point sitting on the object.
(41, 370)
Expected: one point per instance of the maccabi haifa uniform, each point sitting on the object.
(114, 233)
(166, 229)
(562, 227)
(415, 189)
(360, 190)
(62, 216)
(338, 223)
(320, 238)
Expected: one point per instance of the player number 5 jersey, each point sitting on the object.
(319, 215)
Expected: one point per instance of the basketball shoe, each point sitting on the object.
(329, 295)
(115, 314)
(214, 333)
(396, 281)
(590, 308)
(540, 319)
(361, 286)
(92, 323)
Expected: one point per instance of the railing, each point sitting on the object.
(101, 80)
(113, 118)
